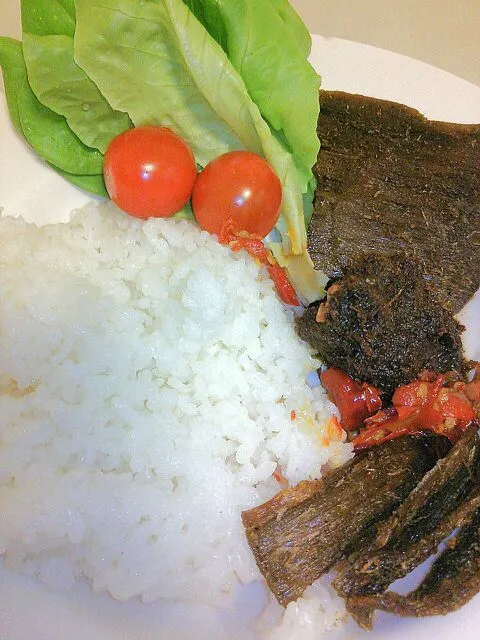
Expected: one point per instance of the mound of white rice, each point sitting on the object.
(150, 383)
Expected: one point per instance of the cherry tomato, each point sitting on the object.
(238, 189)
(149, 171)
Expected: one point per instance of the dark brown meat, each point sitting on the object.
(400, 562)
(453, 580)
(304, 530)
(382, 325)
(391, 181)
(444, 499)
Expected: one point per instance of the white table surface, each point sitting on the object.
(444, 33)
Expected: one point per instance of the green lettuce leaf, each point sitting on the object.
(19, 96)
(268, 45)
(47, 132)
(48, 17)
(185, 214)
(64, 87)
(13, 69)
(209, 14)
(165, 72)
(295, 25)
(156, 62)
(51, 137)
(93, 184)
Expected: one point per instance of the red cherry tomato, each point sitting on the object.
(149, 171)
(240, 190)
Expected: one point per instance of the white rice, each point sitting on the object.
(318, 610)
(148, 378)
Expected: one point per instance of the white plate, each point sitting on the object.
(28, 611)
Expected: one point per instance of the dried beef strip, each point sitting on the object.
(301, 532)
(452, 581)
(442, 501)
(391, 181)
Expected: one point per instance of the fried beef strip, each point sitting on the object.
(443, 500)
(400, 562)
(382, 325)
(452, 581)
(390, 181)
(301, 532)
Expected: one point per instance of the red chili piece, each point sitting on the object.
(282, 284)
(422, 405)
(355, 401)
(255, 247)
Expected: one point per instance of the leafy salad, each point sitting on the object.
(222, 74)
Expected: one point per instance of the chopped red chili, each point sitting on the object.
(255, 247)
(355, 401)
(419, 406)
